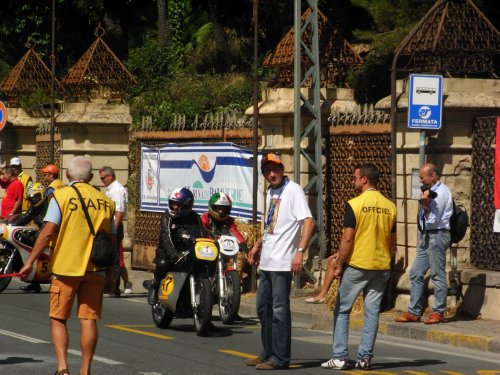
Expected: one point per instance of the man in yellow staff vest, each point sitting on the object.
(74, 275)
(26, 180)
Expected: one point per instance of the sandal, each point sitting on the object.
(314, 301)
(64, 371)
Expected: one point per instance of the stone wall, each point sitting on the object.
(99, 131)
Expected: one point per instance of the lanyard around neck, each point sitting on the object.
(270, 212)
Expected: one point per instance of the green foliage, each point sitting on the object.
(204, 55)
(192, 95)
(155, 104)
(34, 100)
(207, 66)
(151, 65)
(199, 94)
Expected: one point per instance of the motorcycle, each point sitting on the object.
(16, 243)
(226, 285)
(187, 292)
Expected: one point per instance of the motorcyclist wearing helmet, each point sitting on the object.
(37, 208)
(36, 212)
(218, 221)
(179, 226)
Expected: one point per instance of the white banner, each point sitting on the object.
(203, 168)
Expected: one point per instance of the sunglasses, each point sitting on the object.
(275, 169)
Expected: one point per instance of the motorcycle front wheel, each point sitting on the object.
(162, 317)
(229, 306)
(202, 312)
(5, 255)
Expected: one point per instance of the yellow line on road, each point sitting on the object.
(140, 332)
(237, 354)
(246, 355)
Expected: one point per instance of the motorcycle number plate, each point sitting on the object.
(205, 249)
(228, 245)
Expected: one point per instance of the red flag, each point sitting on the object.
(497, 166)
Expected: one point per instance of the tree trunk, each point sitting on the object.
(163, 24)
(219, 35)
(116, 35)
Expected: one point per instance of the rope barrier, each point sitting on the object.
(10, 275)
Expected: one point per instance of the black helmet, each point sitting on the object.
(184, 198)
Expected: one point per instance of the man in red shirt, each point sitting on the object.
(13, 198)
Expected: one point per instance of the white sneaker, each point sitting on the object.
(336, 364)
(128, 288)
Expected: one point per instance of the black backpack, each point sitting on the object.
(459, 222)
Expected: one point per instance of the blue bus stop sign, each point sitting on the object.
(425, 101)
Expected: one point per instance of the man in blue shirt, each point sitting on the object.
(433, 241)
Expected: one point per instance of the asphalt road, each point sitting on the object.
(129, 343)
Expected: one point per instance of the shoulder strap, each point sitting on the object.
(85, 211)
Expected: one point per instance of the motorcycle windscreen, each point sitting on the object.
(170, 289)
(206, 249)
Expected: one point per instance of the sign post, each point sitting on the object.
(425, 106)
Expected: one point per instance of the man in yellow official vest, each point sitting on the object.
(363, 265)
(74, 275)
(26, 180)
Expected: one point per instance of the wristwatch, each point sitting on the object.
(301, 250)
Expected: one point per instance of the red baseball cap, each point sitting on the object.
(50, 168)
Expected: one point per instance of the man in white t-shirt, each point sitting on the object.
(119, 195)
(279, 253)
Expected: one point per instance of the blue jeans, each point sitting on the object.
(431, 253)
(372, 284)
(273, 309)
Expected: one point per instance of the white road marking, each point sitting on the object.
(135, 300)
(71, 351)
(23, 337)
(429, 347)
(97, 358)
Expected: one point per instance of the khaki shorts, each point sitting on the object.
(89, 292)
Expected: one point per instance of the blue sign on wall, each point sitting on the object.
(425, 101)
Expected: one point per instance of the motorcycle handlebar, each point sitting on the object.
(182, 256)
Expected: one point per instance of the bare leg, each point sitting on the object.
(88, 342)
(329, 276)
(124, 275)
(60, 341)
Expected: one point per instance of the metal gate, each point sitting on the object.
(485, 244)
(353, 138)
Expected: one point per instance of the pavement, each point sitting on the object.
(456, 331)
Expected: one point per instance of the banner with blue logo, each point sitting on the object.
(203, 168)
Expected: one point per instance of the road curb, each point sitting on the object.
(461, 335)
